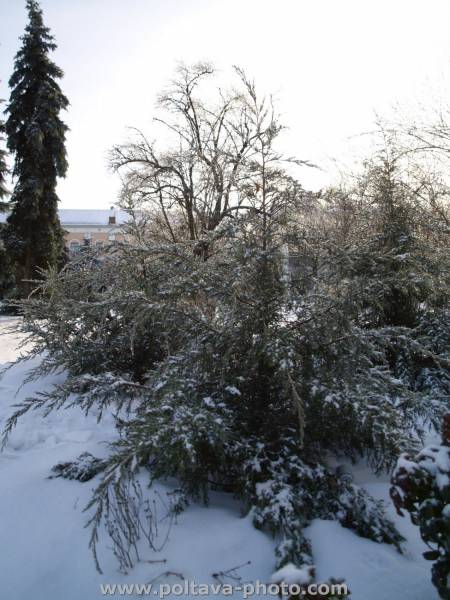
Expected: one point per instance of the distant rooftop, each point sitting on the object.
(75, 216)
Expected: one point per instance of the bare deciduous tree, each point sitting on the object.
(208, 172)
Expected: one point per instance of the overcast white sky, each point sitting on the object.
(330, 63)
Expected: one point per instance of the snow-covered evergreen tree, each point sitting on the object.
(379, 250)
(6, 275)
(36, 138)
(3, 167)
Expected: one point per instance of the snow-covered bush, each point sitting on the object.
(421, 486)
(84, 468)
(233, 404)
(287, 493)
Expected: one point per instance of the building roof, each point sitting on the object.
(75, 216)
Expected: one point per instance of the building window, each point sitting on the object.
(74, 247)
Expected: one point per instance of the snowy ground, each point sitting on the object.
(43, 545)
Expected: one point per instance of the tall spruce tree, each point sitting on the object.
(6, 276)
(3, 169)
(36, 137)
